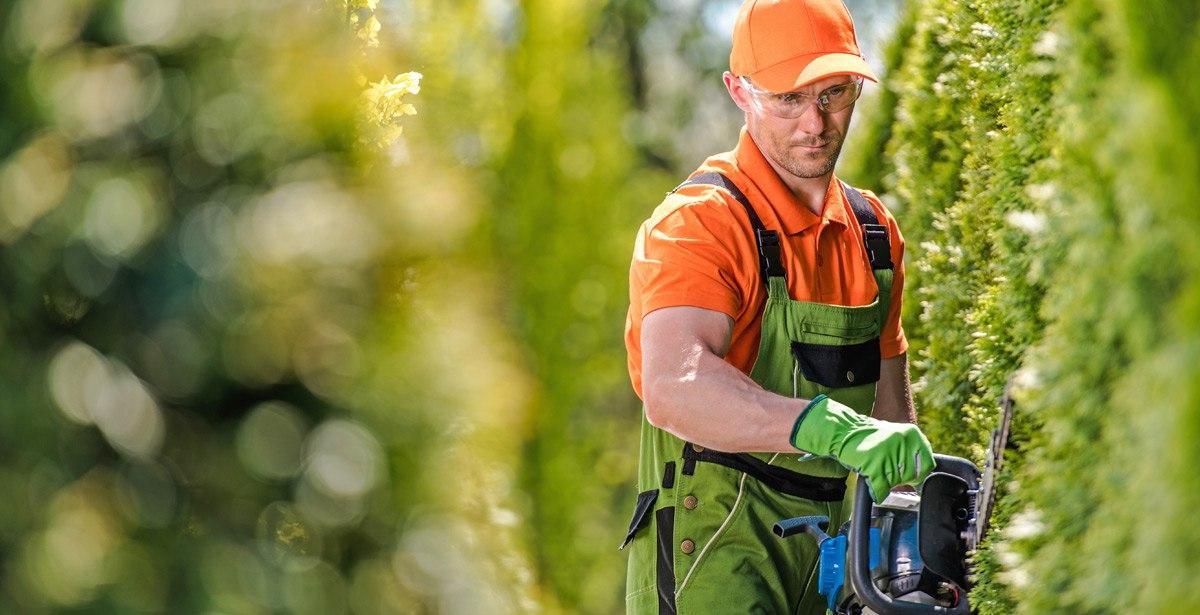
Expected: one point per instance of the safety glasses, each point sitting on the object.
(790, 105)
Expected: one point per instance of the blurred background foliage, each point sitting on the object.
(316, 306)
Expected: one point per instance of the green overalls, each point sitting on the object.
(700, 540)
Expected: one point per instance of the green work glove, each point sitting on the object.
(886, 454)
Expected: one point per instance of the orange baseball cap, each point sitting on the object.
(782, 45)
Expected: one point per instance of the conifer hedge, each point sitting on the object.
(1042, 158)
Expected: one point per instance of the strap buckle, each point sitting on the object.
(770, 255)
(875, 236)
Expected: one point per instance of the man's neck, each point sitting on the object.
(810, 191)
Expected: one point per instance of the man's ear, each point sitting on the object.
(739, 94)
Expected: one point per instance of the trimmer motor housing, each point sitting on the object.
(907, 555)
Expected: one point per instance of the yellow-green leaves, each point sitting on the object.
(360, 16)
(385, 103)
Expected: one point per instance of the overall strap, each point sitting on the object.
(770, 259)
(878, 245)
(875, 235)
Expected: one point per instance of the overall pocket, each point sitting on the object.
(838, 366)
(641, 514)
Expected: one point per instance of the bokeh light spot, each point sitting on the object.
(32, 182)
(270, 440)
(90, 388)
(284, 535)
(344, 459)
(149, 22)
(122, 215)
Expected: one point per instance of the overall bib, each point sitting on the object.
(700, 539)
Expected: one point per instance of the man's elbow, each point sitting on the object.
(658, 396)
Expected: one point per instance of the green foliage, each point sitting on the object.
(208, 402)
(570, 197)
(1127, 286)
(1045, 158)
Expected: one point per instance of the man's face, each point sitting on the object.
(807, 146)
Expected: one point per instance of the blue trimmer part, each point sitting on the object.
(832, 574)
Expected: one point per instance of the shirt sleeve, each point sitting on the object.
(685, 258)
(892, 341)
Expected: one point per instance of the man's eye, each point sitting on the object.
(835, 92)
(790, 99)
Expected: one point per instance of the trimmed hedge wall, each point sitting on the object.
(1042, 158)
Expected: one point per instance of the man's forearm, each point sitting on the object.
(715, 405)
(893, 394)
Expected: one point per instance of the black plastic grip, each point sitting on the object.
(860, 544)
(795, 525)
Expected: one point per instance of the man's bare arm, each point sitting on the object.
(693, 393)
(893, 395)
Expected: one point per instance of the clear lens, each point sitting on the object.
(793, 104)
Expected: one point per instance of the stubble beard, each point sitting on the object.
(806, 164)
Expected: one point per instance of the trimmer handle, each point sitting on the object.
(813, 524)
(859, 548)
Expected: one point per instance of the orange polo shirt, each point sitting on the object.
(698, 249)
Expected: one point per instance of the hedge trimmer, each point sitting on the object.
(910, 554)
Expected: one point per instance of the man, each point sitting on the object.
(764, 335)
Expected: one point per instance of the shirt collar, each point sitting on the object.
(793, 216)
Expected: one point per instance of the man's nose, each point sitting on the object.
(812, 120)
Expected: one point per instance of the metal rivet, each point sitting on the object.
(687, 546)
(850, 376)
(690, 502)
(698, 448)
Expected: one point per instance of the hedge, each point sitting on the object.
(1042, 160)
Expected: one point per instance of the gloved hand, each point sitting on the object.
(886, 454)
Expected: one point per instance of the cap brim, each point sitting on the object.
(803, 70)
